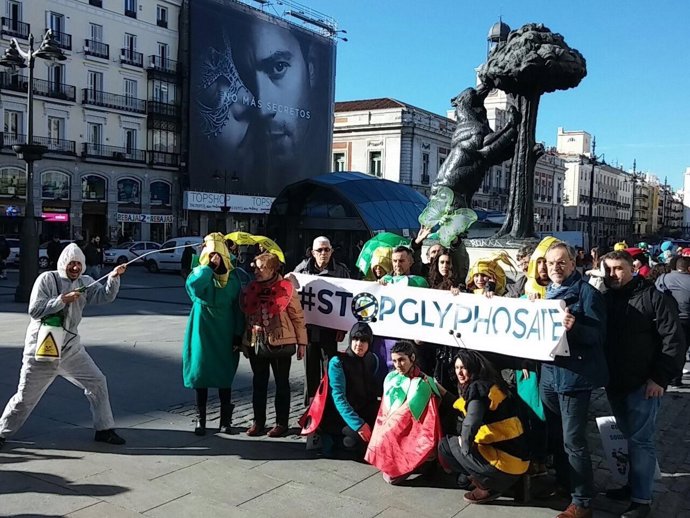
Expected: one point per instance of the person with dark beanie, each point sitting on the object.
(350, 410)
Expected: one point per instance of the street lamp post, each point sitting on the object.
(29, 152)
(632, 201)
(593, 161)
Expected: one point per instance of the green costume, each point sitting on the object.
(406, 280)
(208, 359)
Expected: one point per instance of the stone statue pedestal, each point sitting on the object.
(480, 247)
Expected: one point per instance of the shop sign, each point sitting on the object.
(55, 217)
(145, 218)
(212, 202)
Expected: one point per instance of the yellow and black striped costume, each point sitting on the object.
(500, 438)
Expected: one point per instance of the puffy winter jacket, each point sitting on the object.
(644, 337)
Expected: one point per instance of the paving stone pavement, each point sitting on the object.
(52, 467)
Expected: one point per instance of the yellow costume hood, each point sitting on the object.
(215, 242)
(381, 257)
(532, 287)
(489, 266)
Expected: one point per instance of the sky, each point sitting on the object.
(635, 98)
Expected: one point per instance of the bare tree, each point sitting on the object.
(533, 61)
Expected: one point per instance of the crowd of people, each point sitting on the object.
(409, 407)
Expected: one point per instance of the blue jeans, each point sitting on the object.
(636, 419)
(566, 421)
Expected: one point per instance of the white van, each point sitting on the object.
(171, 260)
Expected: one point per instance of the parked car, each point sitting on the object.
(13, 258)
(171, 260)
(126, 252)
(43, 261)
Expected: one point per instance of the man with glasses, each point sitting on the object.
(567, 383)
(323, 342)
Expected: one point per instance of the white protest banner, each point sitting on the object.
(515, 327)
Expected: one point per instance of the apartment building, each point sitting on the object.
(109, 115)
(591, 181)
(392, 140)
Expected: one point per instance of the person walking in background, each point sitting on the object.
(275, 331)
(4, 254)
(677, 283)
(94, 257)
(645, 348)
(53, 250)
(63, 294)
(210, 352)
(186, 260)
(323, 342)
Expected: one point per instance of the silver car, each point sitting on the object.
(126, 252)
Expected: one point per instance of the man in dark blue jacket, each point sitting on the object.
(645, 346)
(567, 383)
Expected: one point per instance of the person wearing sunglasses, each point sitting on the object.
(323, 342)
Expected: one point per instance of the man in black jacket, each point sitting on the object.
(323, 342)
(644, 348)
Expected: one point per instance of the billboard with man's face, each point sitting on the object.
(261, 100)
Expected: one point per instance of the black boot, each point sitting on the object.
(226, 418)
(200, 428)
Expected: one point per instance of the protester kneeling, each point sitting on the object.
(345, 406)
(491, 451)
(407, 430)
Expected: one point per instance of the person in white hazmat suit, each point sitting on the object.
(57, 293)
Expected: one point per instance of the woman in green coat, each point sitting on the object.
(210, 352)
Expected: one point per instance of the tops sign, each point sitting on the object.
(212, 202)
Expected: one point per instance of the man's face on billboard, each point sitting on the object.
(283, 85)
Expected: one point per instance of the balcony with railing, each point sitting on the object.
(161, 64)
(63, 40)
(19, 83)
(15, 28)
(162, 110)
(164, 158)
(120, 154)
(55, 146)
(13, 82)
(97, 49)
(131, 57)
(114, 101)
(55, 90)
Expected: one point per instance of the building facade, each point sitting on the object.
(392, 140)
(108, 114)
(399, 142)
(592, 183)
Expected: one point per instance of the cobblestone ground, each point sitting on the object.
(672, 492)
(242, 414)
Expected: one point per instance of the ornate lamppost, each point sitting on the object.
(29, 152)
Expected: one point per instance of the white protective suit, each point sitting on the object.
(75, 364)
